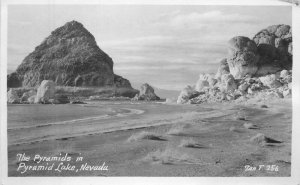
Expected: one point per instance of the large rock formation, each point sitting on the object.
(69, 57)
(270, 51)
(259, 68)
(242, 57)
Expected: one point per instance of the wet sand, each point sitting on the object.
(223, 144)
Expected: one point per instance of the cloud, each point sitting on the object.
(196, 20)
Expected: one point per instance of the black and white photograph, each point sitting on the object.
(148, 90)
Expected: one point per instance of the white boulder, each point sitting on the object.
(45, 92)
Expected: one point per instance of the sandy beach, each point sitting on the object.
(152, 139)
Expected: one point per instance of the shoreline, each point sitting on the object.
(214, 156)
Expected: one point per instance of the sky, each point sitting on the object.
(167, 46)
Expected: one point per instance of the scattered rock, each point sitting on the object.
(287, 93)
(250, 91)
(227, 83)
(243, 87)
(270, 81)
(12, 96)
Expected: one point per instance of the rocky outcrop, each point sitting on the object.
(242, 57)
(229, 89)
(12, 96)
(146, 93)
(45, 92)
(270, 81)
(121, 82)
(253, 68)
(70, 56)
(270, 51)
(274, 48)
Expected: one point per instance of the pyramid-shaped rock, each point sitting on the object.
(70, 56)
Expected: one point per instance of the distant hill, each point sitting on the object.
(163, 93)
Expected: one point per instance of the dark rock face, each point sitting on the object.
(270, 51)
(119, 81)
(69, 57)
(275, 49)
